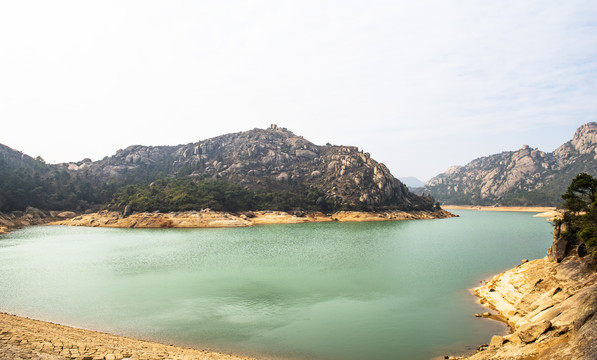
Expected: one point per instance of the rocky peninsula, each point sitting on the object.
(216, 219)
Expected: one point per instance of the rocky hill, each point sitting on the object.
(518, 178)
(272, 159)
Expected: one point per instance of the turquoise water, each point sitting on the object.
(332, 291)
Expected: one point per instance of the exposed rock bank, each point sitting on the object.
(215, 219)
(550, 308)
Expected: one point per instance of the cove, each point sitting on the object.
(373, 290)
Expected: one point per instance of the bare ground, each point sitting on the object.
(23, 338)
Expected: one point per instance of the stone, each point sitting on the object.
(67, 214)
(127, 211)
(282, 177)
(524, 261)
(531, 332)
(557, 251)
(30, 210)
(306, 154)
(496, 342)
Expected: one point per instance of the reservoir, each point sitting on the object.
(329, 291)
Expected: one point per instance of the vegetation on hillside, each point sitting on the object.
(181, 194)
(550, 193)
(33, 183)
(580, 216)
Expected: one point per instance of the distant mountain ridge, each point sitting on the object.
(411, 181)
(263, 159)
(517, 178)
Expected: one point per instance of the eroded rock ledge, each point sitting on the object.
(214, 219)
(31, 216)
(550, 308)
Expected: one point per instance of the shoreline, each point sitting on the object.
(215, 219)
(536, 209)
(31, 216)
(25, 338)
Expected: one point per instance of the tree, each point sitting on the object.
(580, 212)
(580, 195)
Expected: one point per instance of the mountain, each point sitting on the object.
(518, 178)
(26, 182)
(411, 182)
(267, 160)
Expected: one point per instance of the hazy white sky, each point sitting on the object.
(421, 85)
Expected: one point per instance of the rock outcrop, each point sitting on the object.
(31, 216)
(550, 306)
(527, 176)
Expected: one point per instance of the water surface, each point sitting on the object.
(332, 291)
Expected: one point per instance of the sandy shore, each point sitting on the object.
(215, 219)
(536, 209)
(23, 338)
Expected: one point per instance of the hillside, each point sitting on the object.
(25, 182)
(270, 163)
(518, 178)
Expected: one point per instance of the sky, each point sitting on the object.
(420, 85)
